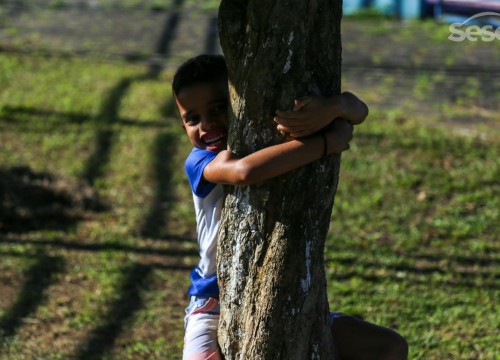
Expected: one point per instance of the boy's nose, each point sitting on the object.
(206, 124)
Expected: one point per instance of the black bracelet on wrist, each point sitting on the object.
(325, 145)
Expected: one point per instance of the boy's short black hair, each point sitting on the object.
(200, 69)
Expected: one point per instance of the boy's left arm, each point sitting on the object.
(313, 113)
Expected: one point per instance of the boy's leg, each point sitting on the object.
(200, 339)
(360, 340)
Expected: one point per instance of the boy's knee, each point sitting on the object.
(397, 349)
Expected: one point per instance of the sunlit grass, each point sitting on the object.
(413, 242)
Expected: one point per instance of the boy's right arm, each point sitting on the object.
(276, 160)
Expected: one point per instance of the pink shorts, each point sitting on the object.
(200, 324)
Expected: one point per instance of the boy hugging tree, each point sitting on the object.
(201, 94)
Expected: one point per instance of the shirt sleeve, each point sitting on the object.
(194, 166)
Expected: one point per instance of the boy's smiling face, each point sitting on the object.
(203, 109)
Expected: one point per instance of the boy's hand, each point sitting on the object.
(339, 134)
(310, 114)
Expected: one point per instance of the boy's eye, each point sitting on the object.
(220, 109)
(192, 120)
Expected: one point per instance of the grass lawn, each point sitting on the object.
(97, 228)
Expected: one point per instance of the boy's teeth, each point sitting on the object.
(211, 141)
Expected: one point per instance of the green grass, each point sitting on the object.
(413, 242)
(414, 238)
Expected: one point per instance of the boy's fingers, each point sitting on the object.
(288, 122)
(347, 147)
(301, 102)
(343, 133)
(342, 125)
(294, 131)
(299, 134)
(293, 125)
(296, 105)
(340, 146)
(290, 129)
(288, 114)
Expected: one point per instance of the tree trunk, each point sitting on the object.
(271, 243)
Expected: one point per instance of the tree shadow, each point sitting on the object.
(108, 118)
(33, 293)
(169, 110)
(109, 115)
(212, 37)
(121, 311)
(169, 30)
(105, 247)
(129, 300)
(168, 33)
(428, 273)
(154, 224)
(155, 220)
(14, 114)
(31, 200)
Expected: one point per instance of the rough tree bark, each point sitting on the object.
(270, 255)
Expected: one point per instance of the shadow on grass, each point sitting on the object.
(120, 313)
(154, 224)
(38, 278)
(31, 200)
(15, 114)
(409, 69)
(169, 110)
(109, 117)
(167, 36)
(155, 221)
(474, 276)
(104, 137)
(169, 30)
(212, 38)
(128, 297)
(105, 247)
